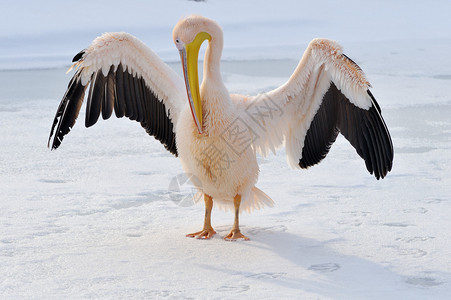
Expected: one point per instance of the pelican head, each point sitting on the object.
(189, 34)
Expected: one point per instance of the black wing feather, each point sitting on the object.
(321, 133)
(139, 100)
(130, 110)
(364, 129)
(68, 110)
(78, 56)
(110, 95)
(153, 121)
(95, 98)
(119, 105)
(120, 90)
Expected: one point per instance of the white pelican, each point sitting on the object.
(215, 134)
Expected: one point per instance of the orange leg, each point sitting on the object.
(235, 232)
(208, 231)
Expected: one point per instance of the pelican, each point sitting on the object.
(215, 134)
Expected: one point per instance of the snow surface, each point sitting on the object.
(98, 218)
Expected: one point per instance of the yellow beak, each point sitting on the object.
(189, 56)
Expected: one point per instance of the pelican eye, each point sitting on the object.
(178, 43)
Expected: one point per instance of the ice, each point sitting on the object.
(97, 217)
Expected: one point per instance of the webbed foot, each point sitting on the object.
(234, 235)
(204, 234)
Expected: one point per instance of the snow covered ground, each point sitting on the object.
(98, 219)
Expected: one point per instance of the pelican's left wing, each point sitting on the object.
(327, 94)
(126, 76)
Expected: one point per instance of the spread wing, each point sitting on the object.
(326, 95)
(122, 74)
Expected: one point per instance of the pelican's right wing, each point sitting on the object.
(125, 76)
